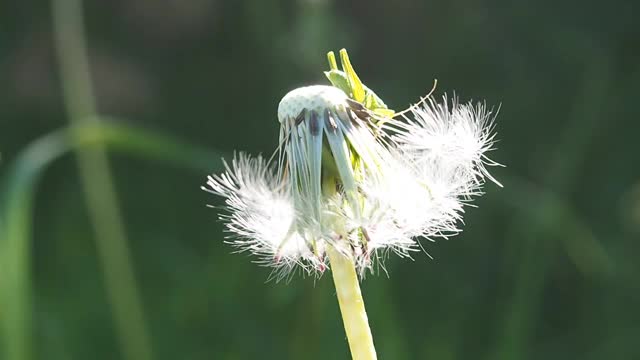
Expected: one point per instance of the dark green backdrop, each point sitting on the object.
(546, 268)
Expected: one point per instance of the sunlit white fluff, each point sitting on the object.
(404, 180)
(451, 138)
(260, 215)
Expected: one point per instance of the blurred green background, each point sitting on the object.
(120, 258)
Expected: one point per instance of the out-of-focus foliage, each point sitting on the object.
(546, 268)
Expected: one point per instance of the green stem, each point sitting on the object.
(354, 315)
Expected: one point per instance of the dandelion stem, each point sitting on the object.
(354, 315)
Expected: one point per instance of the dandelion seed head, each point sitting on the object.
(348, 179)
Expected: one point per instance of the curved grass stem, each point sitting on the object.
(18, 194)
(97, 183)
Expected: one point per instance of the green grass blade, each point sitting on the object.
(19, 188)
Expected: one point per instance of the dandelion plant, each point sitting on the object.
(354, 181)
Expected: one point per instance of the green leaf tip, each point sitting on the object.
(333, 65)
(348, 81)
(357, 87)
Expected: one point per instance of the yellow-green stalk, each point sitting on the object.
(354, 315)
(345, 279)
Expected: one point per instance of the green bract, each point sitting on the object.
(348, 81)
